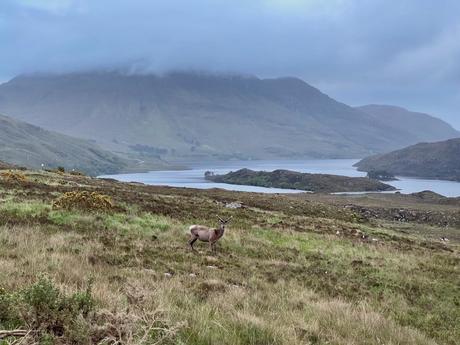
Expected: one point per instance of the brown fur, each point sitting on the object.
(205, 234)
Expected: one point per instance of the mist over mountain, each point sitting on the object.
(196, 115)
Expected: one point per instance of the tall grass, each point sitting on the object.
(265, 285)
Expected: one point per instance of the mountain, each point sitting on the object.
(31, 146)
(418, 127)
(193, 116)
(440, 160)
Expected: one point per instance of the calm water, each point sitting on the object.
(194, 178)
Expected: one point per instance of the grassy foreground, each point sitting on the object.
(288, 270)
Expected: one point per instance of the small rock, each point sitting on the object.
(192, 275)
(167, 274)
(337, 232)
(234, 205)
(211, 259)
(210, 266)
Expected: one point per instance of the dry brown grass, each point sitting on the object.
(279, 277)
(141, 305)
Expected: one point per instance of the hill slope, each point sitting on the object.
(183, 115)
(419, 127)
(28, 145)
(290, 270)
(440, 160)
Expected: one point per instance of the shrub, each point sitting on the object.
(77, 173)
(48, 312)
(58, 170)
(51, 312)
(13, 176)
(9, 315)
(42, 303)
(84, 200)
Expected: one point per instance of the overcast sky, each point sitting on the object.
(402, 52)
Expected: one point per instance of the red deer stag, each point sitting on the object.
(205, 234)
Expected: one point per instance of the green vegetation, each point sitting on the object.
(289, 270)
(24, 144)
(381, 175)
(49, 312)
(287, 179)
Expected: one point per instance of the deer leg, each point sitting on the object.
(192, 241)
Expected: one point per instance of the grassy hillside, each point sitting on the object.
(191, 116)
(419, 126)
(321, 183)
(438, 160)
(31, 146)
(113, 266)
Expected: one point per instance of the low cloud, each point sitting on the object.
(358, 51)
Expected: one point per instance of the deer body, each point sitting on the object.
(206, 234)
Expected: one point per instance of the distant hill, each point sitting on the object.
(323, 183)
(4, 166)
(440, 160)
(418, 127)
(195, 116)
(28, 145)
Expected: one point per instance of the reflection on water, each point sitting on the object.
(194, 178)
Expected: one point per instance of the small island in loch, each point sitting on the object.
(317, 183)
(381, 175)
